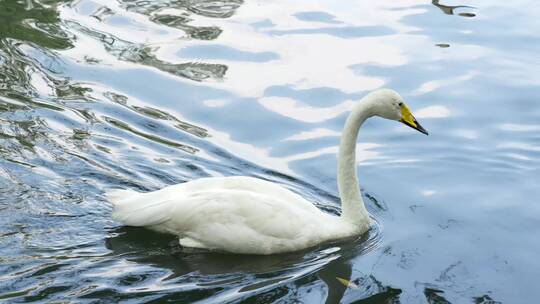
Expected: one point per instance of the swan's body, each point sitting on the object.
(237, 214)
(252, 216)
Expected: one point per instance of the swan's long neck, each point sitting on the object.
(353, 209)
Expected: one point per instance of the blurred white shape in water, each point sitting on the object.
(464, 133)
(520, 146)
(433, 85)
(299, 111)
(437, 111)
(38, 81)
(428, 192)
(215, 103)
(312, 134)
(518, 156)
(363, 152)
(519, 127)
(257, 155)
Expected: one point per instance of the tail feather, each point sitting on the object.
(117, 196)
(137, 209)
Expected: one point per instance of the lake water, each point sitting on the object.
(99, 94)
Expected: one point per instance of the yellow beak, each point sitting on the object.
(408, 119)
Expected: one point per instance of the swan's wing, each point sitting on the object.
(150, 214)
(245, 222)
(248, 184)
(211, 185)
(140, 209)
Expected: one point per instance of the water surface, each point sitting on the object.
(96, 95)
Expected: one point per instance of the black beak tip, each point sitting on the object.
(421, 129)
(416, 126)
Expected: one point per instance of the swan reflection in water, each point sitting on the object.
(253, 274)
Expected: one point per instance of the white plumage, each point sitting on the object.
(252, 216)
(236, 214)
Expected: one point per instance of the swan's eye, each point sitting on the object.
(400, 104)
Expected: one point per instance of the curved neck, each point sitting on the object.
(353, 209)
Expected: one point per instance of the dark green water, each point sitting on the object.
(96, 95)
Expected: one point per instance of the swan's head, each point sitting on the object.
(389, 104)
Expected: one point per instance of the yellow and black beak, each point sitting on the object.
(408, 119)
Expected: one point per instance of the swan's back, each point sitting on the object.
(127, 204)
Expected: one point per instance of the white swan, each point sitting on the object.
(251, 216)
